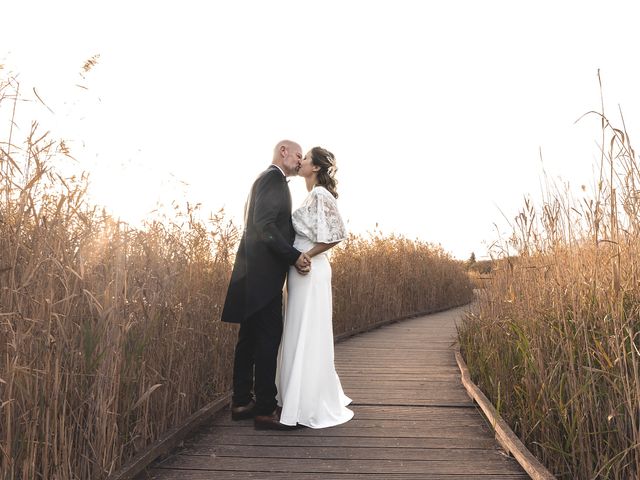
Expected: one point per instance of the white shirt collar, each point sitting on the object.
(281, 171)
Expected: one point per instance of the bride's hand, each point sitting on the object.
(303, 264)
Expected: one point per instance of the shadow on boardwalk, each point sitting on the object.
(413, 420)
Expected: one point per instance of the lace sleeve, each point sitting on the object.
(318, 219)
(329, 227)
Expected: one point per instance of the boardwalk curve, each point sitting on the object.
(413, 420)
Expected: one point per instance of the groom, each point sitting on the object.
(254, 298)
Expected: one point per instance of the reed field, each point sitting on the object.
(110, 335)
(554, 338)
(386, 277)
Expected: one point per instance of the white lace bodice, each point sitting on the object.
(318, 218)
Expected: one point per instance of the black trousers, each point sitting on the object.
(257, 349)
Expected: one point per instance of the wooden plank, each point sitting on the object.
(426, 371)
(372, 397)
(390, 424)
(303, 465)
(402, 377)
(350, 453)
(382, 421)
(449, 371)
(399, 429)
(459, 431)
(403, 381)
(372, 371)
(444, 391)
(168, 474)
(375, 412)
(405, 374)
(205, 443)
(403, 388)
(405, 355)
(400, 351)
(444, 401)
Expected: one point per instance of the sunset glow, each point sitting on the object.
(441, 117)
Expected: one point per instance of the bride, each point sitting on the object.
(309, 390)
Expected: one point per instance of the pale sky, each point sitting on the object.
(436, 111)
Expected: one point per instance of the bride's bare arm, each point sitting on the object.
(320, 248)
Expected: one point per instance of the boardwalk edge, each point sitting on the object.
(170, 439)
(505, 436)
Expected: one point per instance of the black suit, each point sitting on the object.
(254, 298)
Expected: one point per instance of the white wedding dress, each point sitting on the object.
(309, 390)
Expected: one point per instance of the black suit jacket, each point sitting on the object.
(265, 250)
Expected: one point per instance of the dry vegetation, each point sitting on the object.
(480, 272)
(554, 341)
(110, 335)
(381, 278)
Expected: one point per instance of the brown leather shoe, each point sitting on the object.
(270, 422)
(243, 412)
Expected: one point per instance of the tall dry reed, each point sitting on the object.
(111, 335)
(554, 340)
(380, 278)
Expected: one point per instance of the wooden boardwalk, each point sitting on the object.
(413, 420)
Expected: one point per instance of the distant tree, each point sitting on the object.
(469, 264)
(484, 267)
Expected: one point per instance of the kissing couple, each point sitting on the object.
(283, 373)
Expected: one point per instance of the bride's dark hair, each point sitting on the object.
(326, 176)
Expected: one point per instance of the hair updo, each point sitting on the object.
(326, 176)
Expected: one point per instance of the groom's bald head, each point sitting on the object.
(287, 155)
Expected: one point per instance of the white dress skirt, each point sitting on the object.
(309, 390)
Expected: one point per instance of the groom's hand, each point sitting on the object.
(303, 264)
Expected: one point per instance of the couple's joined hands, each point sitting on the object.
(303, 264)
